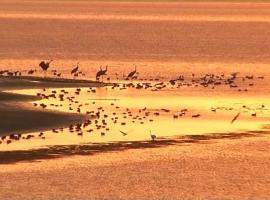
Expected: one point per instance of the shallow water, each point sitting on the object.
(164, 41)
(142, 112)
(162, 38)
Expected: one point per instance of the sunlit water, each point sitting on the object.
(139, 113)
(194, 38)
(162, 39)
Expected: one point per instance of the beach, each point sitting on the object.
(134, 100)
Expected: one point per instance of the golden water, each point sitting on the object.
(196, 100)
(164, 40)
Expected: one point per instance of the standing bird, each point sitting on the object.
(235, 118)
(75, 70)
(44, 66)
(132, 74)
(101, 73)
(153, 137)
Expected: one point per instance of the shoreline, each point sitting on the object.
(94, 149)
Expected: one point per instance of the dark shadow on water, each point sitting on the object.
(58, 151)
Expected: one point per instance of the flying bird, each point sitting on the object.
(124, 133)
(45, 65)
(235, 118)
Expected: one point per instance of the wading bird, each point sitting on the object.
(132, 74)
(75, 70)
(44, 66)
(153, 137)
(101, 73)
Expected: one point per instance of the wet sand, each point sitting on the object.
(206, 168)
(17, 116)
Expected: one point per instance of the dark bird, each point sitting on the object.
(195, 116)
(235, 118)
(76, 69)
(131, 74)
(101, 73)
(124, 134)
(31, 71)
(153, 137)
(45, 65)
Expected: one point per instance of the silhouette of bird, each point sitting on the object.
(45, 65)
(153, 137)
(124, 133)
(76, 69)
(131, 74)
(235, 118)
(101, 73)
(31, 71)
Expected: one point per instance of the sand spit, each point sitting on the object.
(18, 117)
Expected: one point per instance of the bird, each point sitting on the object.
(75, 70)
(235, 118)
(45, 65)
(124, 133)
(131, 74)
(101, 73)
(195, 116)
(153, 137)
(31, 71)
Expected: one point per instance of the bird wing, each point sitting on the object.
(131, 74)
(74, 70)
(41, 63)
(235, 118)
(99, 73)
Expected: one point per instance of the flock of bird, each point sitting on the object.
(99, 119)
(208, 80)
(75, 72)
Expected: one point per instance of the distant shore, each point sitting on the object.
(18, 117)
